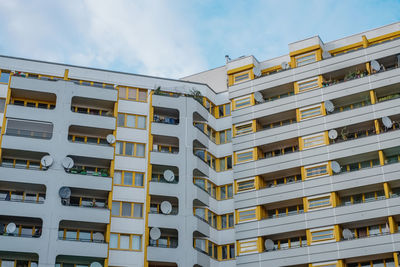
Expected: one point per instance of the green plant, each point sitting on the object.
(196, 94)
(157, 91)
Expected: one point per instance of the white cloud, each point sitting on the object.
(147, 37)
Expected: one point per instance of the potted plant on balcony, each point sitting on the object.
(83, 172)
(196, 94)
(104, 172)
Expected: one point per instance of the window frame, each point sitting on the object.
(132, 204)
(126, 93)
(130, 242)
(134, 149)
(133, 178)
(313, 109)
(136, 120)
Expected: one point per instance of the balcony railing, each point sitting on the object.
(94, 171)
(165, 120)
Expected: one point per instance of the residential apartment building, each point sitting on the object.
(292, 161)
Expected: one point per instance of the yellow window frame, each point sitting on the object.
(125, 95)
(308, 112)
(243, 102)
(133, 178)
(132, 209)
(306, 169)
(136, 120)
(130, 242)
(134, 149)
(314, 140)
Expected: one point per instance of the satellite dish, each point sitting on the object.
(375, 65)
(329, 106)
(67, 163)
(47, 161)
(335, 167)
(11, 227)
(256, 71)
(64, 192)
(347, 234)
(98, 236)
(259, 97)
(169, 176)
(95, 264)
(110, 139)
(326, 55)
(332, 134)
(166, 207)
(155, 233)
(269, 244)
(387, 122)
(284, 65)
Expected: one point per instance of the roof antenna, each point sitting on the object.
(227, 59)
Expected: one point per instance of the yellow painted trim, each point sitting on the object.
(392, 224)
(3, 128)
(240, 69)
(384, 37)
(373, 96)
(386, 188)
(346, 48)
(377, 126)
(66, 74)
(396, 259)
(365, 41)
(271, 69)
(381, 158)
(336, 230)
(304, 50)
(305, 204)
(149, 173)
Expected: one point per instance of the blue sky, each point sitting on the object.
(176, 38)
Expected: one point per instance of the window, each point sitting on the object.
(307, 85)
(225, 136)
(4, 76)
(125, 242)
(247, 214)
(315, 171)
(310, 112)
(247, 246)
(241, 157)
(130, 93)
(225, 191)
(319, 202)
(129, 178)
(2, 104)
(246, 185)
(127, 209)
(241, 77)
(131, 121)
(313, 140)
(223, 110)
(305, 59)
(243, 102)
(243, 129)
(130, 149)
(225, 163)
(322, 235)
(218, 252)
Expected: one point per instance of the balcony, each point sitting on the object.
(86, 198)
(157, 175)
(165, 144)
(22, 192)
(30, 129)
(20, 159)
(168, 239)
(82, 231)
(166, 116)
(20, 226)
(88, 135)
(32, 99)
(90, 166)
(163, 205)
(92, 106)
